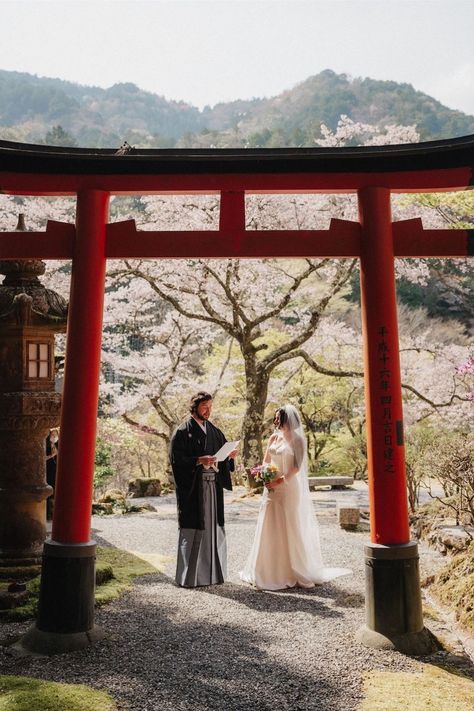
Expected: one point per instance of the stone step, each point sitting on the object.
(335, 482)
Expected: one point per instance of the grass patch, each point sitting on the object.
(126, 566)
(26, 694)
(454, 587)
(431, 688)
(115, 572)
(429, 613)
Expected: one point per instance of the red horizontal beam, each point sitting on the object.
(340, 241)
(209, 183)
(56, 243)
(411, 240)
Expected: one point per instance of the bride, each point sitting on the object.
(286, 552)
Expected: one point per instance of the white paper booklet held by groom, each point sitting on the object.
(225, 450)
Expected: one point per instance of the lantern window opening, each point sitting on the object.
(38, 360)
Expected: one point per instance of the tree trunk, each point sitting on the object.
(253, 424)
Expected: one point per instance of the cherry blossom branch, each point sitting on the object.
(224, 366)
(225, 286)
(297, 281)
(278, 355)
(436, 405)
(214, 319)
(165, 415)
(358, 374)
(146, 429)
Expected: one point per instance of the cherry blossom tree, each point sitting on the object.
(355, 133)
(245, 300)
(147, 365)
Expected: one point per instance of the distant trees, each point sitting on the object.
(57, 136)
(105, 117)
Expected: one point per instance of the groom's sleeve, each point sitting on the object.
(183, 463)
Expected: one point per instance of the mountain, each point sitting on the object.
(32, 108)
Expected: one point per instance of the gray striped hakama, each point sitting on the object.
(202, 554)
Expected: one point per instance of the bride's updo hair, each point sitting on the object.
(281, 416)
(289, 417)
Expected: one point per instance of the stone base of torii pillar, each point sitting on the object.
(394, 615)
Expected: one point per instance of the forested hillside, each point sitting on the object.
(32, 108)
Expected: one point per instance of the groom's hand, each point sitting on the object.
(206, 461)
(233, 454)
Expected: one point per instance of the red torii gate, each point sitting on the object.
(66, 613)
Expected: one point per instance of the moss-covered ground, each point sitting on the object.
(27, 694)
(454, 587)
(115, 572)
(432, 688)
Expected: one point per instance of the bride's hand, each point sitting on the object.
(276, 482)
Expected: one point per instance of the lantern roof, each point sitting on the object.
(24, 300)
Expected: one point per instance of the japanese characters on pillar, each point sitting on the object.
(386, 401)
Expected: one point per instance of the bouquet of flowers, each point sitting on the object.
(263, 473)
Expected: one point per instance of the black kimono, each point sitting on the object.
(51, 462)
(200, 498)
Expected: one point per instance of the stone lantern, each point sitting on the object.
(30, 315)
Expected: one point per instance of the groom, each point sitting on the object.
(202, 554)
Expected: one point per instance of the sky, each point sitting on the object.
(208, 51)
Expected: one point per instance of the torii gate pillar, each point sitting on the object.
(394, 617)
(66, 605)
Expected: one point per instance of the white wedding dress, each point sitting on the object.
(286, 550)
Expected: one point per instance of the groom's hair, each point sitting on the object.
(197, 398)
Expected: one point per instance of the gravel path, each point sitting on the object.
(225, 647)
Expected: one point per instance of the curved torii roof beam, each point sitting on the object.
(422, 167)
